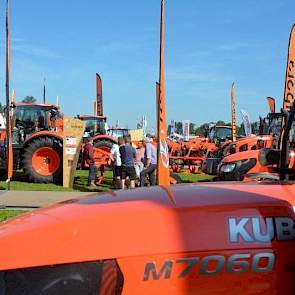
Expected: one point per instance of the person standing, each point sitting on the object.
(128, 154)
(150, 163)
(116, 159)
(88, 156)
(140, 152)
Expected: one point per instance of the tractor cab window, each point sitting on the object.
(118, 132)
(275, 126)
(220, 133)
(91, 278)
(292, 136)
(95, 127)
(31, 118)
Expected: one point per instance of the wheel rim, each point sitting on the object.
(45, 161)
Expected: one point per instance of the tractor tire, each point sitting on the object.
(43, 160)
(106, 145)
(175, 178)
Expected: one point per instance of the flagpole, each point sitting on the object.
(163, 173)
(233, 112)
(8, 117)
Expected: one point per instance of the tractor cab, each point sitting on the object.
(94, 125)
(220, 133)
(118, 132)
(272, 124)
(29, 118)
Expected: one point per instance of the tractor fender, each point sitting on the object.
(42, 134)
(104, 137)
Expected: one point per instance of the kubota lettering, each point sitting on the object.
(257, 229)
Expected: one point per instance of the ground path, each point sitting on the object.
(30, 200)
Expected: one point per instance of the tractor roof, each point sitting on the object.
(45, 105)
(223, 126)
(85, 117)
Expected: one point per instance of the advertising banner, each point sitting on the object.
(186, 129)
(247, 123)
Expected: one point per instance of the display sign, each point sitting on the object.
(247, 123)
(72, 140)
(136, 134)
(186, 129)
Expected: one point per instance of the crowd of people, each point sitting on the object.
(136, 165)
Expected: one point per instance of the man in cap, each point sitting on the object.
(150, 161)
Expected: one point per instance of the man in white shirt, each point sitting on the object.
(116, 159)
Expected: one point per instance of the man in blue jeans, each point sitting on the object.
(150, 162)
(128, 154)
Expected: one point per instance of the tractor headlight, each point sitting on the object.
(226, 168)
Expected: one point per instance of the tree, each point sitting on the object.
(202, 130)
(29, 99)
(178, 127)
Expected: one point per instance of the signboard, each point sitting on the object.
(136, 134)
(72, 140)
(186, 129)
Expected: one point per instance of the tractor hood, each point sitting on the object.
(140, 222)
(251, 154)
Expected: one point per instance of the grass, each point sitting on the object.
(192, 178)
(7, 214)
(20, 183)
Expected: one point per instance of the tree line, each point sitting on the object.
(203, 129)
(26, 99)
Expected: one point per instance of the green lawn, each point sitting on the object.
(7, 214)
(192, 178)
(20, 182)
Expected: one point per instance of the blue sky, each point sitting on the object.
(209, 44)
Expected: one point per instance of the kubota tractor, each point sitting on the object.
(37, 142)
(268, 132)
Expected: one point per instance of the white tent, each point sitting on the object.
(2, 122)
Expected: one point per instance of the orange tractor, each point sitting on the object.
(192, 154)
(269, 130)
(37, 142)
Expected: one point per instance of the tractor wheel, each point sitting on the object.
(43, 160)
(175, 178)
(105, 145)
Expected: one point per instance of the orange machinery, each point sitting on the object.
(210, 238)
(217, 238)
(193, 153)
(259, 163)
